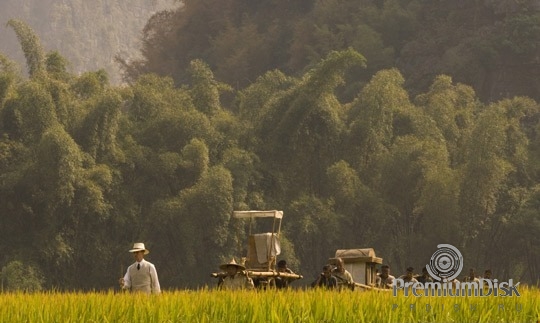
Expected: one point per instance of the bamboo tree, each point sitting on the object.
(8, 77)
(100, 128)
(31, 46)
(195, 161)
(372, 116)
(517, 186)
(29, 114)
(485, 172)
(205, 90)
(452, 107)
(200, 231)
(305, 123)
(358, 205)
(243, 167)
(252, 100)
(314, 222)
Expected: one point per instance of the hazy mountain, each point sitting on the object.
(88, 33)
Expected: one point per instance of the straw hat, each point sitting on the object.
(232, 263)
(139, 246)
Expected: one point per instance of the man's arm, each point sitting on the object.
(156, 288)
(349, 278)
(390, 281)
(377, 281)
(249, 283)
(125, 282)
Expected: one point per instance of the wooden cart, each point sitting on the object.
(361, 263)
(262, 249)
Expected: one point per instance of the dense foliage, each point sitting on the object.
(87, 168)
(491, 45)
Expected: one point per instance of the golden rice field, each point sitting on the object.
(313, 306)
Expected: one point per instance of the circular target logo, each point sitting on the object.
(446, 263)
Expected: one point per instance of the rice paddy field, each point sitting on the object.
(310, 306)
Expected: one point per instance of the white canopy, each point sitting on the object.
(358, 255)
(258, 214)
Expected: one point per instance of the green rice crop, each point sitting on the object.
(310, 306)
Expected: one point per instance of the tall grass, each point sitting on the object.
(310, 306)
